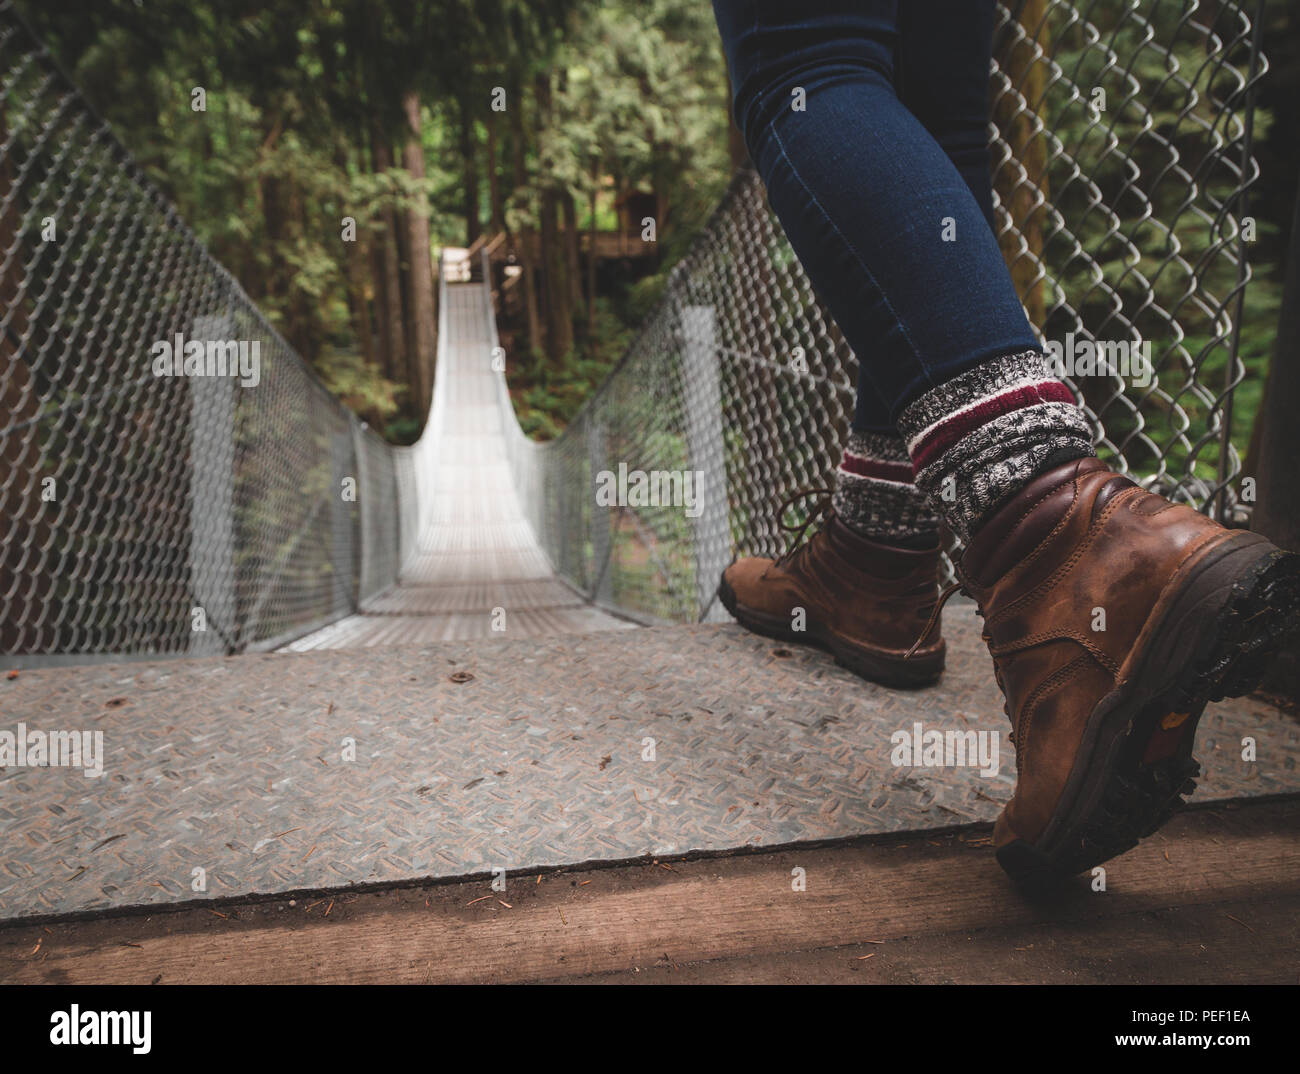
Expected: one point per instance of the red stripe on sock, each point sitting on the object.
(961, 425)
(887, 471)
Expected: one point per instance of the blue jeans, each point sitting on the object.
(868, 122)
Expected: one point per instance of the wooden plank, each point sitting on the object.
(1213, 897)
(1180, 945)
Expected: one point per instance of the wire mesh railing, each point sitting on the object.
(175, 478)
(1121, 142)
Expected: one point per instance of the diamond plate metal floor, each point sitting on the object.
(235, 766)
(476, 552)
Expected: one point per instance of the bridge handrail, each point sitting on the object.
(145, 512)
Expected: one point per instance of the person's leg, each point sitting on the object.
(899, 248)
(875, 495)
(1112, 615)
(944, 54)
(942, 59)
(868, 577)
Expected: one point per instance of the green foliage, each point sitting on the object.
(638, 102)
(643, 296)
(642, 99)
(361, 387)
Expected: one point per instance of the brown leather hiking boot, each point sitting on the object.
(863, 601)
(1113, 616)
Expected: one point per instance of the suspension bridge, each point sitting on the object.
(476, 567)
(469, 670)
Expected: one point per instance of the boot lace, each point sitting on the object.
(956, 587)
(820, 514)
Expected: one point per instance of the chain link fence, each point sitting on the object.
(144, 509)
(1121, 143)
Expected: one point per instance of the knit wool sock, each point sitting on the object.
(875, 497)
(980, 437)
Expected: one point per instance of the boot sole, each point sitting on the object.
(874, 665)
(1224, 618)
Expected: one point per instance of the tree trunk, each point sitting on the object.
(470, 179)
(495, 205)
(392, 330)
(1277, 508)
(571, 249)
(591, 261)
(384, 352)
(1025, 199)
(403, 245)
(283, 211)
(525, 234)
(359, 260)
(736, 149)
(661, 182)
(359, 263)
(559, 313)
(420, 277)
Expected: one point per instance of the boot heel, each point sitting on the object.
(920, 669)
(1238, 609)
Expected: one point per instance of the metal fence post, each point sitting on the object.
(343, 518)
(602, 518)
(366, 519)
(702, 397)
(212, 501)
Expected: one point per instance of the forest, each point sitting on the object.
(324, 150)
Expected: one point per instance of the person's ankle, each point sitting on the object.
(1066, 454)
(875, 497)
(979, 438)
(915, 540)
